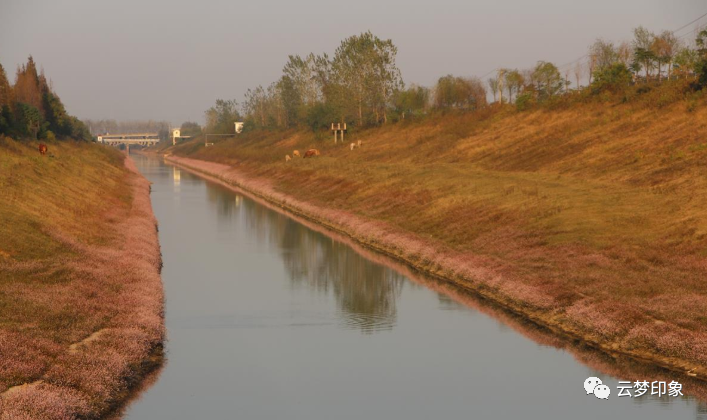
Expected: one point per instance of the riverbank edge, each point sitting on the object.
(423, 257)
(124, 385)
(156, 357)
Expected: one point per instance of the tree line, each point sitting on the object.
(30, 108)
(362, 85)
(648, 57)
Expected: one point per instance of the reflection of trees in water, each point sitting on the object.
(224, 200)
(449, 304)
(365, 292)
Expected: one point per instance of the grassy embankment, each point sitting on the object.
(80, 291)
(589, 217)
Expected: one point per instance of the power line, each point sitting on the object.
(482, 77)
(688, 24)
(676, 30)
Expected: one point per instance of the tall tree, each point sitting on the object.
(220, 117)
(604, 54)
(493, 85)
(685, 60)
(514, 83)
(578, 72)
(27, 87)
(6, 115)
(364, 65)
(548, 80)
(643, 49)
(412, 100)
(664, 47)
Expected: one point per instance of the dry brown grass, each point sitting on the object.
(80, 291)
(595, 214)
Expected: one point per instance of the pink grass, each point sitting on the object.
(117, 292)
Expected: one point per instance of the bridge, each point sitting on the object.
(142, 139)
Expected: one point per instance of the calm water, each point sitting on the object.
(269, 319)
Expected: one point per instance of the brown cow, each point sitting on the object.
(311, 152)
(296, 153)
(42, 149)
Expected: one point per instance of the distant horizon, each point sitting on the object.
(177, 59)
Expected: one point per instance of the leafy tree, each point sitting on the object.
(56, 115)
(293, 108)
(701, 63)
(604, 54)
(547, 79)
(79, 130)
(514, 83)
(412, 100)
(220, 117)
(30, 119)
(615, 77)
(664, 48)
(301, 84)
(643, 41)
(493, 85)
(320, 116)
(7, 120)
(364, 65)
(685, 60)
(254, 105)
(190, 129)
(459, 93)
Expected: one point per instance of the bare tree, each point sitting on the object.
(578, 72)
(624, 53)
(501, 77)
(591, 65)
(493, 85)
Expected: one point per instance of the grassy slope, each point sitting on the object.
(596, 213)
(73, 322)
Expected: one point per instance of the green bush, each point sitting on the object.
(612, 78)
(320, 116)
(524, 101)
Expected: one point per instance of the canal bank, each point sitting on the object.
(462, 270)
(80, 290)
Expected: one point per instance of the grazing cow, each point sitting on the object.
(311, 152)
(42, 149)
(287, 158)
(353, 146)
(296, 153)
(359, 144)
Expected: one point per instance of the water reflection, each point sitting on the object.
(176, 177)
(365, 292)
(366, 287)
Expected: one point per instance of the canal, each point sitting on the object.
(268, 318)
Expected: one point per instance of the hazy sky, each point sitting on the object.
(170, 59)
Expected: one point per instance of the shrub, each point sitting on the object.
(613, 78)
(320, 116)
(524, 101)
